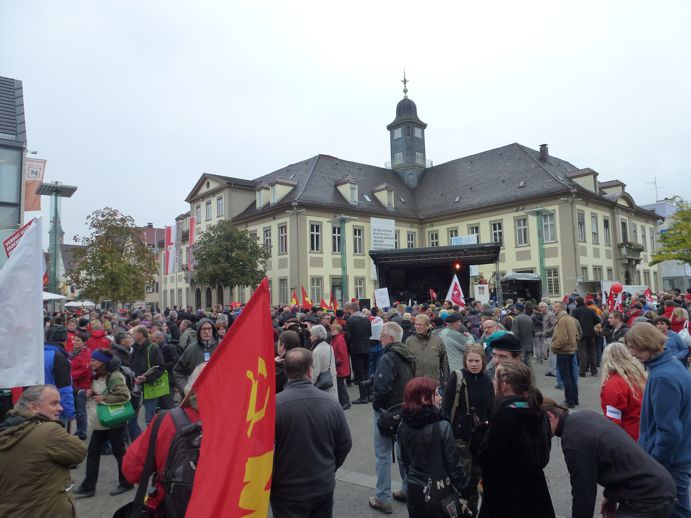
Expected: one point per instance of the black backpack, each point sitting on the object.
(181, 463)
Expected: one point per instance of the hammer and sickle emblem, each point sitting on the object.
(254, 414)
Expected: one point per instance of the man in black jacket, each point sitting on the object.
(312, 442)
(395, 368)
(358, 331)
(599, 452)
(588, 319)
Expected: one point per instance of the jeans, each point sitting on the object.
(383, 450)
(319, 507)
(116, 436)
(565, 364)
(80, 413)
(680, 474)
(150, 406)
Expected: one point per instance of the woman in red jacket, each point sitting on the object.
(340, 348)
(81, 381)
(678, 318)
(621, 393)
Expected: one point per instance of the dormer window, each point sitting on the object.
(260, 198)
(389, 199)
(273, 193)
(353, 193)
(397, 133)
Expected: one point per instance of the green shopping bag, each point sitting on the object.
(114, 415)
(159, 387)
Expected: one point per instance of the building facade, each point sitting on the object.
(320, 217)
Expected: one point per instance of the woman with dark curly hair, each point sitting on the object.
(421, 424)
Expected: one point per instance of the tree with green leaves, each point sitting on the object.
(226, 256)
(676, 240)
(115, 263)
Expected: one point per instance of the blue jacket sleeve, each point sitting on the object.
(67, 402)
(668, 425)
(676, 346)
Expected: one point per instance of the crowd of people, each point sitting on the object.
(453, 394)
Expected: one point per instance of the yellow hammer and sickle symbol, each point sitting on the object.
(255, 415)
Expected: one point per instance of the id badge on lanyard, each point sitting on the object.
(207, 356)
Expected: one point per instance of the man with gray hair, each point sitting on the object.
(395, 368)
(35, 457)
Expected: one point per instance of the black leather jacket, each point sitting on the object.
(415, 441)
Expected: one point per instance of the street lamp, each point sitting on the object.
(55, 190)
(342, 219)
(539, 211)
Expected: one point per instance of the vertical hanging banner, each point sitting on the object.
(237, 402)
(190, 252)
(33, 176)
(173, 253)
(168, 245)
(21, 307)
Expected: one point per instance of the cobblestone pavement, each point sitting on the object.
(356, 479)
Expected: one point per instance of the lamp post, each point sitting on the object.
(55, 190)
(342, 219)
(539, 211)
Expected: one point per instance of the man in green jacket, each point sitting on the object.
(35, 457)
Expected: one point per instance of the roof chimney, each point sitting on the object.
(149, 225)
(544, 152)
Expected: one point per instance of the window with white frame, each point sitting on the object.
(474, 230)
(584, 273)
(634, 233)
(552, 276)
(497, 232)
(597, 273)
(198, 213)
(397, 158)
(410, 238)
(315, 237)
(316, 289)
(359, 287)
(418, 132)
(353, 193)
(549, 227)
(453, 232)
(581, 226)
(610, 274)
(433, 238)
(521, 231)
(283, 291)
(652, 240)
(419, 158)
(389, 199)
(644, 240)
(283, 239)
(267, 240)
(606, 230)
(646, 278)
(208, 210)
(594, 229)
(219, 207)
(624, 231)
(358, 245)
(272, 190)
(397, 133)
(397, 239)
(336, 239)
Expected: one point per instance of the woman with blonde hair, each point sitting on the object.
(679, 319)
(621, 392)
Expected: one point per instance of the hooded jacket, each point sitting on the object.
(98, 340)
(35, 455)
(395, 368)
(195, 354)
(57, 372)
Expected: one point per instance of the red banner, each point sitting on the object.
(294, 299)
(306, 302)
(237, 403)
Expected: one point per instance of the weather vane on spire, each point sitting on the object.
(405, 85)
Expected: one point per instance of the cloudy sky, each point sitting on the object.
(132, 100)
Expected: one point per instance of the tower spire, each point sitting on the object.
(405, 85)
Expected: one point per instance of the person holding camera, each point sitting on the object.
(395, 369)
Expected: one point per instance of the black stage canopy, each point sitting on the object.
(409, 273)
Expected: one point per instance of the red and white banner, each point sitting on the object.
(237, 402)
(34, 171)
(648, 294)
(455, 293)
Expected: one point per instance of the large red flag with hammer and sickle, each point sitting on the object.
(237, 402)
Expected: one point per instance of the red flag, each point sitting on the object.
(648, 294)
(455, 293)
(306, 302)
(294, 299)
(610, 301)
(333, 301)
(237, 403)
(618, 304)
(323, 304)
(432, 294)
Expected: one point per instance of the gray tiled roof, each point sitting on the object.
(507, 174)
(12, 126)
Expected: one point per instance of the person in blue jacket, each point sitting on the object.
(57, 369)
(666, 409)
(673, 343)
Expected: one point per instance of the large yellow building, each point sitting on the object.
(320, 217)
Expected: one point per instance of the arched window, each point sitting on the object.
(198, 298)
(219, 295)
(208, 297)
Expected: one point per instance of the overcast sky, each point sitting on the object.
(132, 100)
